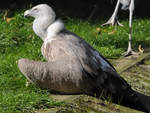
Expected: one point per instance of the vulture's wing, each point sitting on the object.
(95, 66)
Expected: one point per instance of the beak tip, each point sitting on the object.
(26, 13)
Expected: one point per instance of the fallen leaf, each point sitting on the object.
(98, 29)
(6, 18)
(141, 50)
(98, 32)
(112, 32)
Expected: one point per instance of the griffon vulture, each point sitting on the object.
(73, 66)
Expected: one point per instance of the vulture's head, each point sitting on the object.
(40, 11)
(44, 18)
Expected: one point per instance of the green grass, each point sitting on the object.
(17, 40)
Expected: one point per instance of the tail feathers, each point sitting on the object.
(145, 101)
(137, 101)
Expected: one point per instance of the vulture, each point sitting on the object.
(73, 66)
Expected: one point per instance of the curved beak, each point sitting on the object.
(27, 13)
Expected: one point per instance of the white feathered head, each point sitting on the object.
(44, 17)
(41, 10)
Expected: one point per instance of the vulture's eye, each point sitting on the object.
(35, 9)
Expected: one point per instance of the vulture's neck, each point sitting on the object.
(46, 29)
(54, 29)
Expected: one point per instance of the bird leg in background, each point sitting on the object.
(130, 51)
(114, 20)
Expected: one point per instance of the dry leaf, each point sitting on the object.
(141, 50)
(112, 32)
(6, 18)
(98, 29)
(98, 32)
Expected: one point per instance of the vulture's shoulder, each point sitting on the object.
(87, 54)
(58, 48)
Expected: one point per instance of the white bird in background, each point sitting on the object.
(126, 4)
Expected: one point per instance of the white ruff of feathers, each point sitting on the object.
(53, 30)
